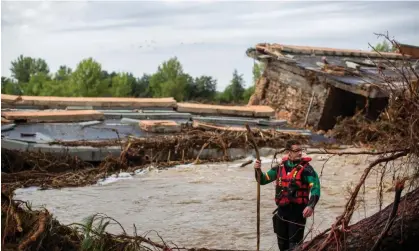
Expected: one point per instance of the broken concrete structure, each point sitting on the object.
(312, 86)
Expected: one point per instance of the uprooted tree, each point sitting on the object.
(396, 135)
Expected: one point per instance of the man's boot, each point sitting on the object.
(292, 246)
(282, 244)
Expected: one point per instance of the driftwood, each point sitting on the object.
(246, 163)
(212, 127)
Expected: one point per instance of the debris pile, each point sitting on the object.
(396, 129)
(47, 170)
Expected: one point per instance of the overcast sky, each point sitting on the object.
(207, 37)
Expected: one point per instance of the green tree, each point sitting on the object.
(8, 86)
(24, 67)
(86, 80)
(234, 92)
(106, 79)
(122, 85)
(141, 87)
(170, 80)
(385, 47)
(257, 71)
(227, 95)
(56, 88)
(37, 84)
(63, 73)
(106, 74)
(203, 88)
(237, 84)
(248, 93)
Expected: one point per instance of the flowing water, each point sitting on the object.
(211, 205)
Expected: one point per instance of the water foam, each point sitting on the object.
(114, 178)
(26, 190)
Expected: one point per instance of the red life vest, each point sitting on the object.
(290, 187)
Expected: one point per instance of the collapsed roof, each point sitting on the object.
(370, 74)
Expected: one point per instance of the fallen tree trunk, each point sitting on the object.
(402, 235)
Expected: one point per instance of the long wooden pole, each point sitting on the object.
(253, 142)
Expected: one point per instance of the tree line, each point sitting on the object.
(385, 46)
(32, 76)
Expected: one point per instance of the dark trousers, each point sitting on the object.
(289, 225)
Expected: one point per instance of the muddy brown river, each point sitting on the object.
(211, 205)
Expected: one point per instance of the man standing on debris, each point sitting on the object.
(295, 179)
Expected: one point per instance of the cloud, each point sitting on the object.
(207, 37)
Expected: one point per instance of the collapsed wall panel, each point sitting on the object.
(62, 102)
(53, 116)
(244, 111)
(296, 95)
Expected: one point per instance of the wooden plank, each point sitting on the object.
(53, 116)
(5, 121)
(212, 127)
(9, 99)
(245, 111)
(262, 110)
(56, 102)
(160, 126)
(224, 120)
